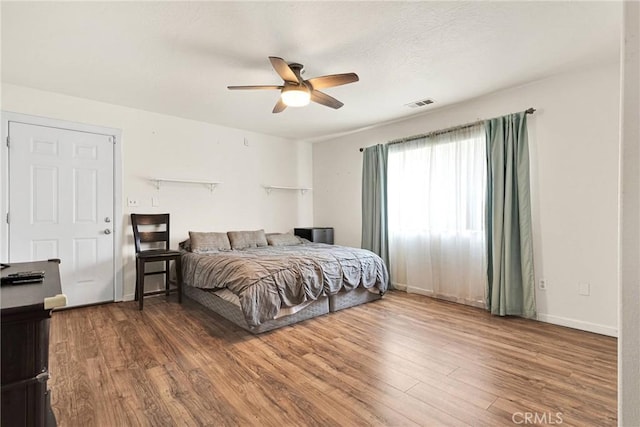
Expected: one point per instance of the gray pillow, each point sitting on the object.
(247, 239)
(283, 240)
(185, 245)
(208, 242)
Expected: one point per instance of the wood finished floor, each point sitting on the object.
(404, 360)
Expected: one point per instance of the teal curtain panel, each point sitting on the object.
(511, 284)
(374, 201)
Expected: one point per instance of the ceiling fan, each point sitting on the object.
(297, 92)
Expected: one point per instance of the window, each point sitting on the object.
(436, 203)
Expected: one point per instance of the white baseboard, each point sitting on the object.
(399, 287)
(542, 317)
(579, 324)
(429, 293)
(413, 290)
(132, 296)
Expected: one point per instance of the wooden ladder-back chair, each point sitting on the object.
(153, 229)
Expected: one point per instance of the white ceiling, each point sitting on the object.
(177, 58)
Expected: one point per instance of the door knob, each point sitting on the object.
(107, 219)
(107, 231)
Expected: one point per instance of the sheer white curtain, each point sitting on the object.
(436, 198)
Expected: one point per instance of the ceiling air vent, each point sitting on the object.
(420, 103)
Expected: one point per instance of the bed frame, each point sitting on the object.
(319, 307)
(358, 296)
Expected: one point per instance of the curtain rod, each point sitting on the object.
(439, 132)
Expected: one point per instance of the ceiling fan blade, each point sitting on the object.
(254, 87)
(324, 99)
(333, 80)
(280, 106)
(283, 69)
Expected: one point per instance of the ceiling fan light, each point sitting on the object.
(296, 97)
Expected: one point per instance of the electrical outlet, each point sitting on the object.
(542, 285)
(584, 289)
(132, 202)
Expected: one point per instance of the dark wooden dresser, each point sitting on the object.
(316, 234)
(25, 316)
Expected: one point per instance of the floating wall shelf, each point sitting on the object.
(302, 190)
(210, 184)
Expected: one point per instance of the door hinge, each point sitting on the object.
(7, 141)
(113, 139)
(7, 217)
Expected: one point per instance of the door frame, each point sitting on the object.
(118, 232)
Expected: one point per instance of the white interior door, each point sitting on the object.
(61, 205)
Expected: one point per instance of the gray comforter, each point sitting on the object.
(264, 279)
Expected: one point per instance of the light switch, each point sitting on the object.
(584, 289)
(155, 201)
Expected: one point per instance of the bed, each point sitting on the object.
(262, 282)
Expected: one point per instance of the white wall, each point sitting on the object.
(629, 342)
(156, 145)
(573, 140)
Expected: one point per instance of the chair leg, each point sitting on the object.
(140, 282)
(137, 281)
(166, 278)
(179, 278)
